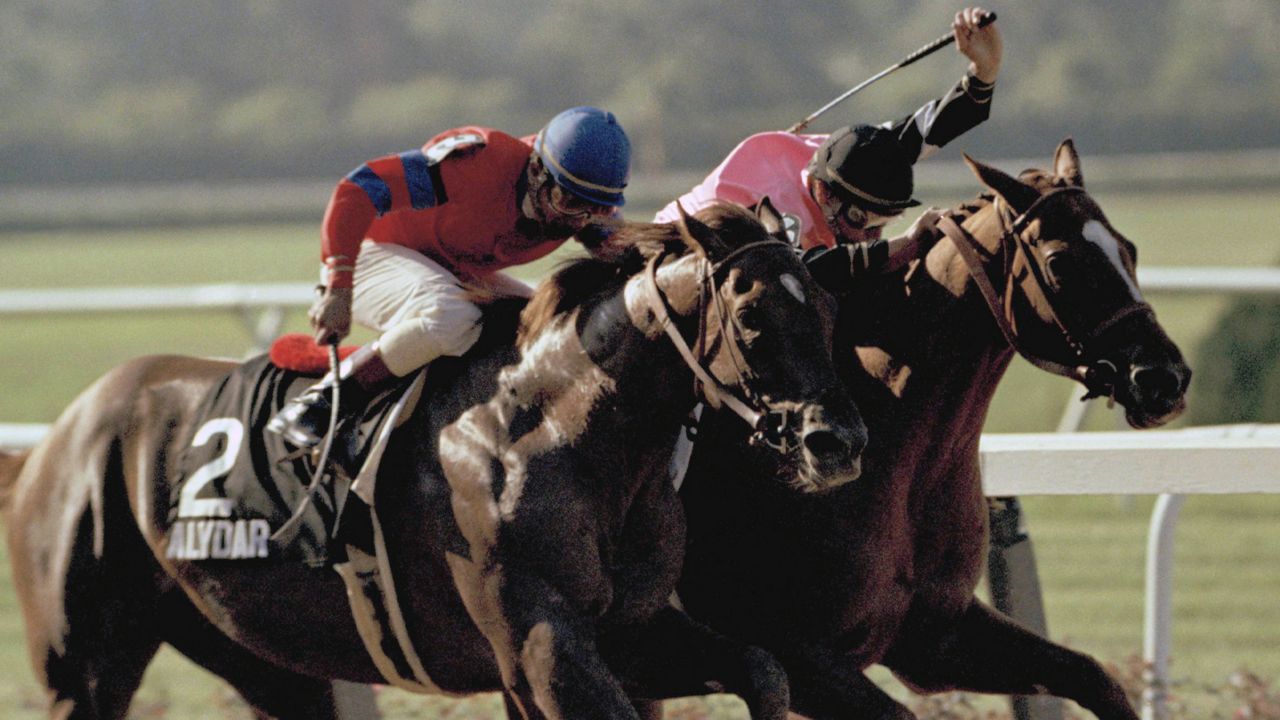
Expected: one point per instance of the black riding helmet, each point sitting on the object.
(867, 166)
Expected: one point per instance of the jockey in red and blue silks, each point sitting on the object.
(836, 192)
(402, 233)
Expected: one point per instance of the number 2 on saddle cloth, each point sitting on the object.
(240, 485)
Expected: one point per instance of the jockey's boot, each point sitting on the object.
(304, 420)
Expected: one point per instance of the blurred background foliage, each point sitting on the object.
(1237, 367)
(148, 90)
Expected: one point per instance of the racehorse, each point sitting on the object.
(884, 570)
(532, 529)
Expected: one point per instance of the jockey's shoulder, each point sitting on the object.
(457, 142)
(778, 138)
(772, 143)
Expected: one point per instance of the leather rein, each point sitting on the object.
(1100, 375)
(770, 426)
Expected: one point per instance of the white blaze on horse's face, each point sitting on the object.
(793, 286)
(1098, 234)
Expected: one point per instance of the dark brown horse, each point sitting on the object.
(533, 532)
(884, 570)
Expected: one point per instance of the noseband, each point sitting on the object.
(770, 426)
(1100, 375)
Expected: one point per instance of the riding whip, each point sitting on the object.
(923, 52)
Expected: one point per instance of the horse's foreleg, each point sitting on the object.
(826, 686)
(548, 656)
(669, 655)
(514, 711)
(564, 675)
(986, 652)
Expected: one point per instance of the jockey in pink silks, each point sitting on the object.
(836, 192)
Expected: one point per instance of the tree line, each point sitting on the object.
(92, 90)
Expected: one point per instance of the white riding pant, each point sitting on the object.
(422, 310)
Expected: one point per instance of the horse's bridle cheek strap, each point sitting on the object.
(713, 391)
(1079, 342)
(967, 246)
(771, 427)
(1086, 372)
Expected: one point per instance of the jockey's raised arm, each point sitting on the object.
(968, 103)
(844, 187)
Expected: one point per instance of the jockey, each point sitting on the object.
(837, 191)
(403, 233)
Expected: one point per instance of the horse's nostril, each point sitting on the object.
(825, 444)
(1156, 382)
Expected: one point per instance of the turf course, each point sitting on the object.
(1090, 549)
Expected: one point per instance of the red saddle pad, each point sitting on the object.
(299, 353)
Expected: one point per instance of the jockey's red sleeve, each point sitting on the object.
(388, 184)
(345, 221)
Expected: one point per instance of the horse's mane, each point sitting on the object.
(967, 209)
(619, 251)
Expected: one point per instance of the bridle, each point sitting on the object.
(771, 427)
(1099, 376)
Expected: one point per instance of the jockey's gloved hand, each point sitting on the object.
(924, 232)
(887, 256)
(330, 315)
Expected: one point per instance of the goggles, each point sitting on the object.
(860, 217)
(568, 205)
(564, 203)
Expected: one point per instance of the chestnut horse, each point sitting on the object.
(884, 570)
(532, 530)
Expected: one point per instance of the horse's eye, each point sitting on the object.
(750, 317)
(1063, 270)
(742, 284)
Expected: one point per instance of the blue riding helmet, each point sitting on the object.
(588, 154)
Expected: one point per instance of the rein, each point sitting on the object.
(1098, 376)
(770, 426)
(286, 531)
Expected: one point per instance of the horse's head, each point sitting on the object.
(1071, 302)
(760, 331)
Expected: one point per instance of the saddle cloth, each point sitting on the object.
(238, 484)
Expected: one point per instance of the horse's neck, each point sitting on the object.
(660, 375)
(937, 367)
(611, 370)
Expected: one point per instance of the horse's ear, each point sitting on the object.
(1018, 194)
(1066, 163)
(770, 218)
(696, 235)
